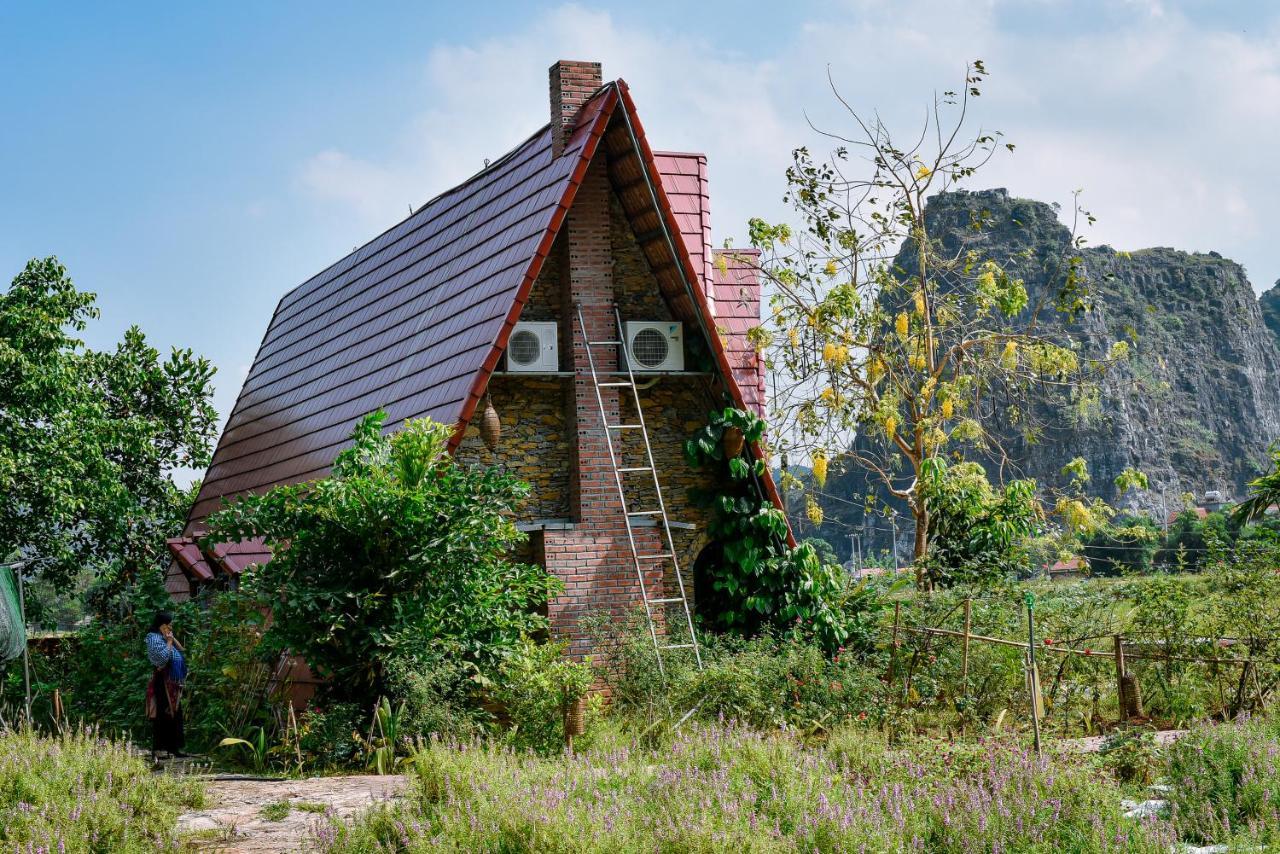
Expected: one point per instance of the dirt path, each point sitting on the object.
(234, 821)
(1094, 743)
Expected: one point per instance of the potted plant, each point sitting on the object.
(572, 681)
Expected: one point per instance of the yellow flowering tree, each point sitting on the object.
(882, 331)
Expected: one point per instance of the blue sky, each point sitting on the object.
(190, 163)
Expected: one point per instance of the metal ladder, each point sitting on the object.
(627, 514)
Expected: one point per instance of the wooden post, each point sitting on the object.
(893, 646)
(1121, 700)
(1033, 680)
(1129, 699)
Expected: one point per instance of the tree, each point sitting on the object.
(1127, 544)
(399, 549)
(1264, 491)
(88, 439)
(977, 534)
(913, 354)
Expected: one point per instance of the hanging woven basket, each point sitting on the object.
(732, 440)
(490, 425)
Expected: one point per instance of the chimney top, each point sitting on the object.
(572, 85)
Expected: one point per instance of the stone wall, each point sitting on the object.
(553, 439)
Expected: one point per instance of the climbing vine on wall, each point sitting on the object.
(761, 583)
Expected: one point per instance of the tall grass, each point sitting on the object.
(1225, 782)
(727, 788)
(78, 792)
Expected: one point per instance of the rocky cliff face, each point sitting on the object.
(1195, 408)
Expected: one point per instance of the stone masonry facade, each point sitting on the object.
(553, 438)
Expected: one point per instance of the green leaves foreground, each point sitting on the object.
(400, 550)
(761, 582)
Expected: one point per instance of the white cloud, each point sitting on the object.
(1167, 124)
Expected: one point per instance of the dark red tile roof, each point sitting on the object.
(235, 558)
(407, 322)
(188, 556)
(416, 320)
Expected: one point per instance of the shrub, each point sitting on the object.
(401, 548)
(764, 682)
(78, 792)
(759, 582)
(439, 696)
(535, 687)
(102, 670)
(329, 735)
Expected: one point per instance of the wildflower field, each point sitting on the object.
(78, 792)
(730, 788)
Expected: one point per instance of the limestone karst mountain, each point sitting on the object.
(1197, 405)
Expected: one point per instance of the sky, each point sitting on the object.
(190, 163)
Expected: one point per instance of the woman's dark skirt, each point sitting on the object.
(166, 723)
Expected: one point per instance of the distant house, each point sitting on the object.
(1065, 570)
(474, 298)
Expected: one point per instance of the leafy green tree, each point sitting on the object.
(914, 356)
(89, 439)
(1125, 545)
(977, 534)
(1264, 491)
(399, 549)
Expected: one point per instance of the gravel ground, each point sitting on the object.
(233, 820)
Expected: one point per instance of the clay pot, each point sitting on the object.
(732, 440)
(490, 426)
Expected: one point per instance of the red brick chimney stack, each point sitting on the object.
(572, 85)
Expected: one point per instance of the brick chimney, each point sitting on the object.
(572, 85)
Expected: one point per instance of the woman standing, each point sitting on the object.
(164, 691)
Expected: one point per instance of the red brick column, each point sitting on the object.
(572, 85)
(594, 559)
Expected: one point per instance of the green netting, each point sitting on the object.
(13, 634)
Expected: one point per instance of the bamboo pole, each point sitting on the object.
(1086, 652)
(893, 647)
(1033, 680)
(964, 659)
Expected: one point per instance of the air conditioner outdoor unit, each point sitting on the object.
(655, 345)
(534, 347)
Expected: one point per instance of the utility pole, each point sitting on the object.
(893, 522)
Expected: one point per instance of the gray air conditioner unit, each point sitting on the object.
(534, 348)
(655, 345)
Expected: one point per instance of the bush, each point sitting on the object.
(759, 583)
(439, 696)
(535, 687)
(329, 735)
(102, 670)
(78, 792)
(400, 549)
(764, 682)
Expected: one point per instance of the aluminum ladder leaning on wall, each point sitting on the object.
(619, 471)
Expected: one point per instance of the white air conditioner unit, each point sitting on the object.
(655, 345)
(534, 347)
